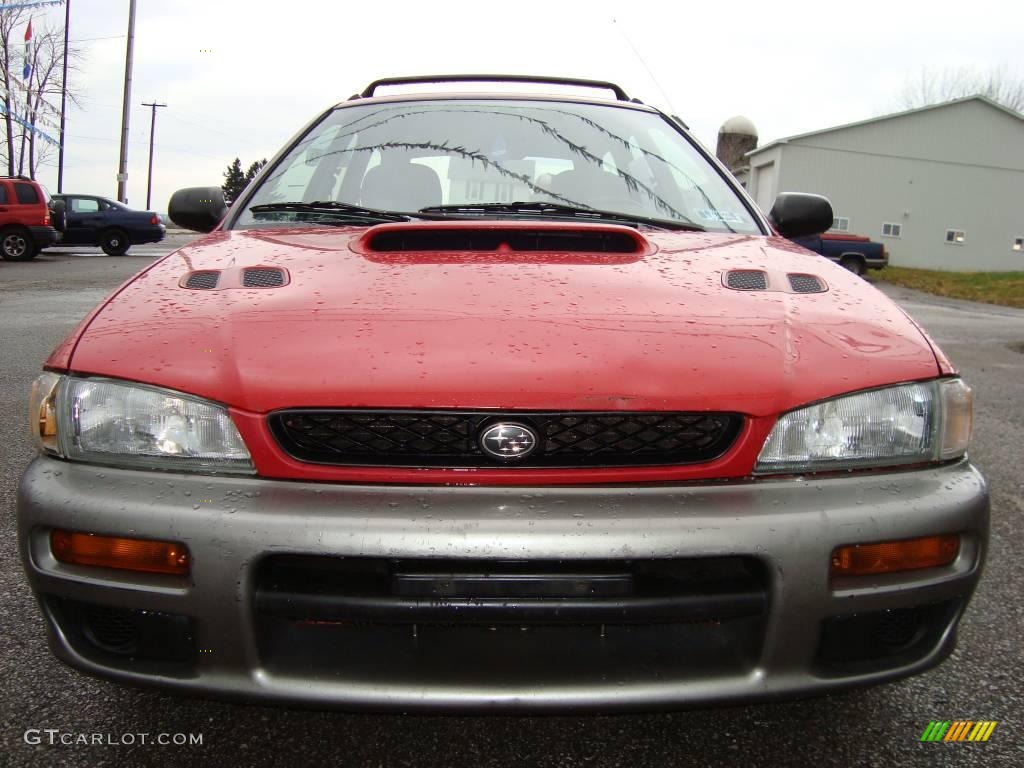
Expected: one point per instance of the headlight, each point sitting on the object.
(906, 424)
(134, 425)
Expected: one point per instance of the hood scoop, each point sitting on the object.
(238, 277)
(781, 282)
(503, 237)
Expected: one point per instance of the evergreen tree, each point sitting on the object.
(254, 169)
(234, 181)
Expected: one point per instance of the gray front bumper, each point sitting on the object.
(229, 524)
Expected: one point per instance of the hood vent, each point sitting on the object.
(806, 284)
(747, 280)
(492, 239)
(779, 282)
(202, 281)
(234, 277)
(263, 277)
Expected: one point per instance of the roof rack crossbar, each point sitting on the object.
(572, 81)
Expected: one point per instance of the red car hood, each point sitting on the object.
(655, 330)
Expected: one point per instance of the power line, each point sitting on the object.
(105, 37)
(163, 147)
(238, 136)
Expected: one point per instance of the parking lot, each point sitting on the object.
(41, 301)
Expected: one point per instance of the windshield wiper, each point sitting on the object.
(557, 210)
(331, 212)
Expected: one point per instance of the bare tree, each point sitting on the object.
(932, 87)
(27, 105)
(9, 19)
(47, 57)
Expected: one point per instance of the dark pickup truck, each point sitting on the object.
(858, 254)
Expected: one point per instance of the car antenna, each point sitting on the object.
(650, 74)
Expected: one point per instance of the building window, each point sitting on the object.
(1018, 243)
(892, 230)
(955, 236)
(841, 224)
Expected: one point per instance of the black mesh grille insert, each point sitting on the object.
(447, 438)
(202, 280)
(492, 240)
(747, 280)
(805, 284)
(262, 277)
(112, 629)
(896, 628)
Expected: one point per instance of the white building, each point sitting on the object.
(941, 186)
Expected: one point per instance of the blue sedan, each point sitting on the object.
(92, 220)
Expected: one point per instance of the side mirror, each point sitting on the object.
(200, 208)
(796, 214)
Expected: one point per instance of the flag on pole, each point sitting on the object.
(28, 51)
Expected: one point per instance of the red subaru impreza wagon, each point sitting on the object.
(501, 400)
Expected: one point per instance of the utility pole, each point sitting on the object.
(63, 98)
(122, 167)
(152, 130)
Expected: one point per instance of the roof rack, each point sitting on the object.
(20, 177)
(416, 79)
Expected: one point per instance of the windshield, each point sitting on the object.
(420, 154)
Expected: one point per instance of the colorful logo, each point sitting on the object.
(959, 730)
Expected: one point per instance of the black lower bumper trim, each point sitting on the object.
(518, 611)
(515, 592)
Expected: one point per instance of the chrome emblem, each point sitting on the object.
(508, 441)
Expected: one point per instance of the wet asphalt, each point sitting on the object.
(42, 300)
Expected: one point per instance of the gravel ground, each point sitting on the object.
(41, 301)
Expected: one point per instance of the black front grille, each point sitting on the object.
(448, 438)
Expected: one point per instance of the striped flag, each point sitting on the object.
(28, 51)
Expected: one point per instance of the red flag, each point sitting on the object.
(28, 51)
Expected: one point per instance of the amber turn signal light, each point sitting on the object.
(125, 554)
(894, 556)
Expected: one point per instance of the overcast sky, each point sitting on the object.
(241, 76)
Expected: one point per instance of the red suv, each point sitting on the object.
(25, 225)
